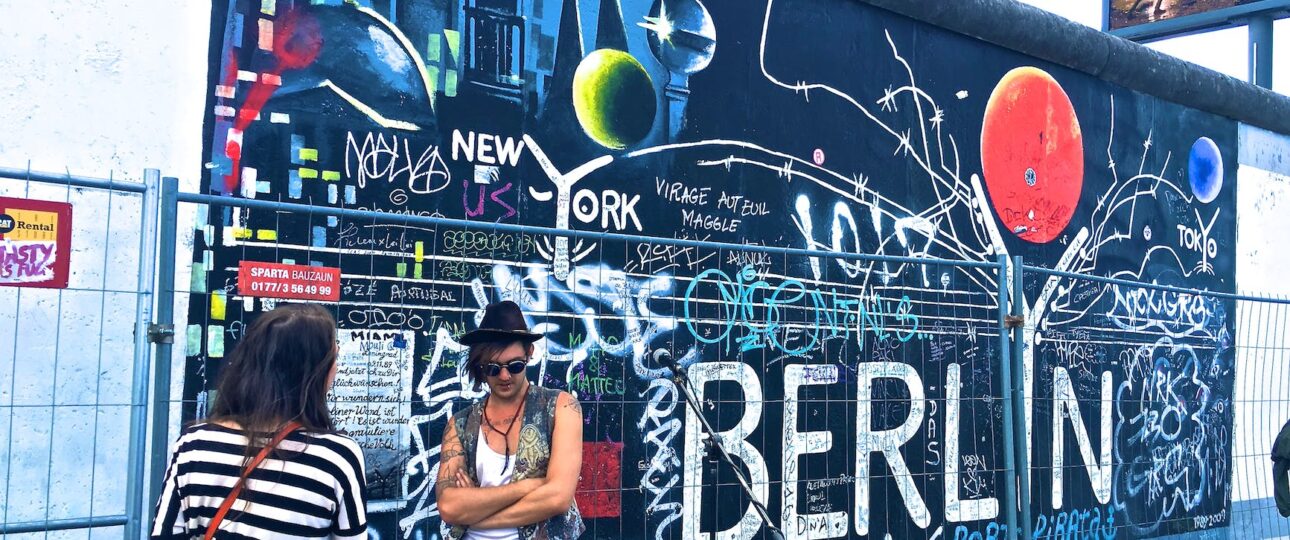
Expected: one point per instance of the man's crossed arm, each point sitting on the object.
(522, 502)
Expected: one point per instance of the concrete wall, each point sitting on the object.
(102, 89)
(867, 137)
(142, 85)
(1263, 365)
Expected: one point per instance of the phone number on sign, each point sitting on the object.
(290, 288)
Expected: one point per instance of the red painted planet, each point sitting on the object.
(1032, 154)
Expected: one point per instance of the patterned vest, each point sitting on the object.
(531, 458)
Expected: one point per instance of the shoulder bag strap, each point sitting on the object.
(237, 488)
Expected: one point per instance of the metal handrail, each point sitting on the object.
(224, 200)
(68, 179)
(63, 524)
(1157, 286)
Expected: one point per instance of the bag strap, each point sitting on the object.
(241, 482)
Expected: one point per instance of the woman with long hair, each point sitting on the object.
(267, 462)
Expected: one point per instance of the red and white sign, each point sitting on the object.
(292, 281)
(35, 243)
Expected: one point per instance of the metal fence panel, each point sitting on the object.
(1128, 477)
(1261, 406)
(796, 347)
(1172, 437)
(70, 362)
(1136, 410)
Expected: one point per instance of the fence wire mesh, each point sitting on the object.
(813, 373)
(1261, 403)
(70, 403)
(860, 394)
(1163, 404)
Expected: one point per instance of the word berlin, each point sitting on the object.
(868, 441)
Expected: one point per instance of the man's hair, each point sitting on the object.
(483, 353)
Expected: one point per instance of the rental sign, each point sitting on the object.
(35, 243)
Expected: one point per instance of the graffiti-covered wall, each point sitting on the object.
(861, 397)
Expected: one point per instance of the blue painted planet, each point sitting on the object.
(1205, 169)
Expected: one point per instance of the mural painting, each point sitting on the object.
(861, 397)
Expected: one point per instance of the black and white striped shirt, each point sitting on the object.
(315, 488)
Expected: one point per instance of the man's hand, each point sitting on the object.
(461, 501)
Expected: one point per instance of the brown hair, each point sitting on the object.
(278, 373)
(482, 353)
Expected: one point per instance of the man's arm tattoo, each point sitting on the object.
(445, 479)
(574, 405)
(450, 450)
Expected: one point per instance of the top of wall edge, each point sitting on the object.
(1116, 60)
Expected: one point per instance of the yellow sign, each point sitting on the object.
(33, 225)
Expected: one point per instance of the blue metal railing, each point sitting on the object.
(385, 217)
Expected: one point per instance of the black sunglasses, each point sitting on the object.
(515, 367)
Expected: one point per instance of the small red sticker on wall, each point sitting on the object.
(35, 243)
(599, 488)
(289, 281)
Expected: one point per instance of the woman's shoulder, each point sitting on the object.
(207, 430)
(200, 426)
(337, 442)
(206, 437)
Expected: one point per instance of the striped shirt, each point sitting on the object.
(313, 488)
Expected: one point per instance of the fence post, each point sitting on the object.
(134, 508)
(1018, 394)
(163, 336)
(1005, 356)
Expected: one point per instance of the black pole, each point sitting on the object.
(683, 382)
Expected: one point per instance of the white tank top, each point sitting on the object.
(488, 470)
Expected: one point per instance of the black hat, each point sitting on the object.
(503, 321)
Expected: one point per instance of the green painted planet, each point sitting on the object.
(613, 98)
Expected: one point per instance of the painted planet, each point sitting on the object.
(1205, 169)
(613, 98)
(681, 35)
(1032, 154)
